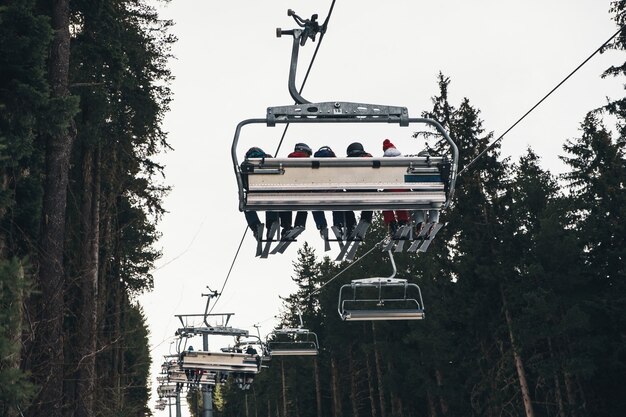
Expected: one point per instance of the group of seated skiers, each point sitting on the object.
(344, 221)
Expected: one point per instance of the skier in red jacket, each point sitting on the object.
(394, 219)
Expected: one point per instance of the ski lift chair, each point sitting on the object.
(166, 390)
(220, 361)
(292, 342)
(253, 345)
(318, 184)
(208, 378)
(243, 380)
(176, 376)
(381, 299)
(161, 403)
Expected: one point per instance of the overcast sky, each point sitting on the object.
(503, 55)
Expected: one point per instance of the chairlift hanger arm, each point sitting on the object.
(310, 29)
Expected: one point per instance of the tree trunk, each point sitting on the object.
(14, 328)
(48, 345)
(432, 410)
(379, 374)
(558, 396)
(284, 387)
(370, 385)
(88, 310)
(396, 402)
(318, 388)
(557, 384)
(353, 384)
(442, 402)
(335, 387)
(571, 395)
(519, 366)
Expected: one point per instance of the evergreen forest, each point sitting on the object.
(524, 288)
(83, 91)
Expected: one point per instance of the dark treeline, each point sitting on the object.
(524, 288)
(83, 89)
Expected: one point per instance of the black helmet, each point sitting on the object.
(303, 147)
(324, 152)
(355, 148)
(256, 152)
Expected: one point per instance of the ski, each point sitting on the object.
(338, 232)
(416, 243)
(431, 235)
(270, 238)
(259, 239)
(349, 242)
(405, 232)
(393, 239)
(286, 240)
(421, 234)
(324, 234)
(360, 231)
(397, 240)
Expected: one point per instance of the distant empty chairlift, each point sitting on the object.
(380, 299)
(293, 342)
(326, 184)
(166, 391)
(161, 403)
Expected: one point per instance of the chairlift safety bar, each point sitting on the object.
(320, 193)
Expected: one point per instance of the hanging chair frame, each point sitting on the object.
(385, 307)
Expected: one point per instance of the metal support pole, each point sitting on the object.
(207, 392)
(178, 405)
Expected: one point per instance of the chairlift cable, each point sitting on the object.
(333, 278)
(344, 270)
(230, 270)
(490, 147)
(324, 27)
(306, 76)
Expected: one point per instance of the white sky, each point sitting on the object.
(503, 55)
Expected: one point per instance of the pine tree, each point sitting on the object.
(15, 389)
(597, 181)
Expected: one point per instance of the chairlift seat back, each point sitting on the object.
(293, 348)
(219, 361)
(168, 390)
(382, 314)
(346, 183)
(293, 342)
